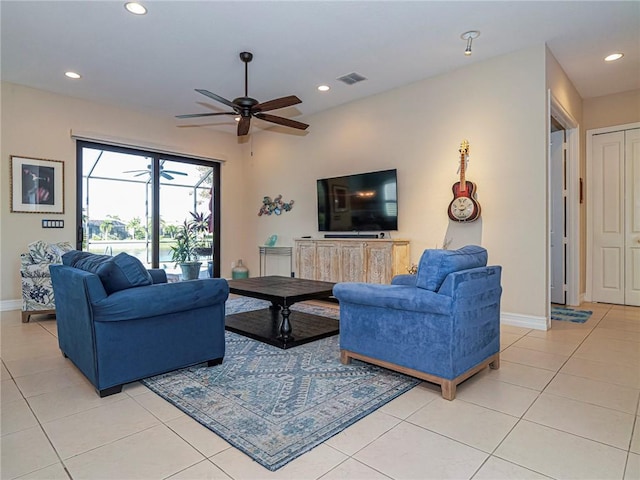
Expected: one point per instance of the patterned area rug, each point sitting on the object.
(274, 404)
(570, 315)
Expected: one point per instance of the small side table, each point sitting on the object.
(265, 252)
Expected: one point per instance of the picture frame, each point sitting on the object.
(36, 185)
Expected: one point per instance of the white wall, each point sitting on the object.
(37, 124)
(498, 105)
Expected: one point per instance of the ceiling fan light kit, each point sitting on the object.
(246, 107)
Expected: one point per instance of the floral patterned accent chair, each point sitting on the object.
(37, 292)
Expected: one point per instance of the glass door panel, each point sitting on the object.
(116, 196)
(185, 195)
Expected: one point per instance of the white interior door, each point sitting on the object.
(616, 217)
(558, 205)
(632, 224)
(608, 217)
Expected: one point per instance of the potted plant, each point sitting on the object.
(184, 252)
(204, 241)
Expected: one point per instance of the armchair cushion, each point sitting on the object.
(116, 273)
(435, 265)
(396, 297)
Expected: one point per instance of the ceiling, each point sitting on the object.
(154, 62)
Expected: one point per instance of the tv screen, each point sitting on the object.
(362, 202)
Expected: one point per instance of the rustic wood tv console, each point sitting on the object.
(351, 259)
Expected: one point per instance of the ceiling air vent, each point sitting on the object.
(352, 78)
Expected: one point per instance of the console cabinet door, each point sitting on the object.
(379, 263)
(306, 260)
(353, 262)
(328, 262)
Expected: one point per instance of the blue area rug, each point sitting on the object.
(274, 404)
(570, 315)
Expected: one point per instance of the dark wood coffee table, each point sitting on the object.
(278, 325)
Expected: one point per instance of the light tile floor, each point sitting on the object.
(564, 404)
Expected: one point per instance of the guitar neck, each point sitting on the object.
(463, 182)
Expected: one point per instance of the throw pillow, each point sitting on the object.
(116, 273)
(38, 251)
(435, 265)
(56, 250)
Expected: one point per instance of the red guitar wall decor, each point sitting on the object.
(464, 207)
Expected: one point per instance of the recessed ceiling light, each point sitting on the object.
(73, 75)
(135, 8)
(324, 88)
(613, 56)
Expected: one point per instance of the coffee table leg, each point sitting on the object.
(285, 326)
(274, 306)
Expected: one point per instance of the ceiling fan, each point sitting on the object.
(247, 107)
(163, 173)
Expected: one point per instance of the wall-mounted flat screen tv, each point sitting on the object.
(362, 202)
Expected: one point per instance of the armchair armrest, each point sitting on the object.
(398, 297)
(404, 279)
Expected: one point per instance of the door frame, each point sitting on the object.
(589, 168)
(557, 221)
(572, 140)
(155, 157)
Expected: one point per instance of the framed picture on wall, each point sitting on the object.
(37, 185)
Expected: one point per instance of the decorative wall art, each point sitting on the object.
(275, 206)
(37, 185)
(464, 207)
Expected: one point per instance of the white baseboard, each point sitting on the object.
(525, 321)
(7, 305)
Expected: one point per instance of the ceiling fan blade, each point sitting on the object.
(143, 173)
(282, 121)
(243, 126)
(277, 103)
(175, 172)
(220, 99)
(166, 175)
(134, 171)
(195, 115)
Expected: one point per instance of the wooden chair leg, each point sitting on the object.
(26, 316)
(345, 359)
(495, 365)
(110, 391)
(448, 390)
(214, 362)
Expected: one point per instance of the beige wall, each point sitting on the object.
(37, 124)
(498, 105)
(611, 110)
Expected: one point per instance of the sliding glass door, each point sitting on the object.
(133, 201)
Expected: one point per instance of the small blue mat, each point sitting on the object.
(570, 315)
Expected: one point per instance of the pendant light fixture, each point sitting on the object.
(469, 36)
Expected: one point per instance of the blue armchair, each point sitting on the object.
(118, 322)
(441, 325)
